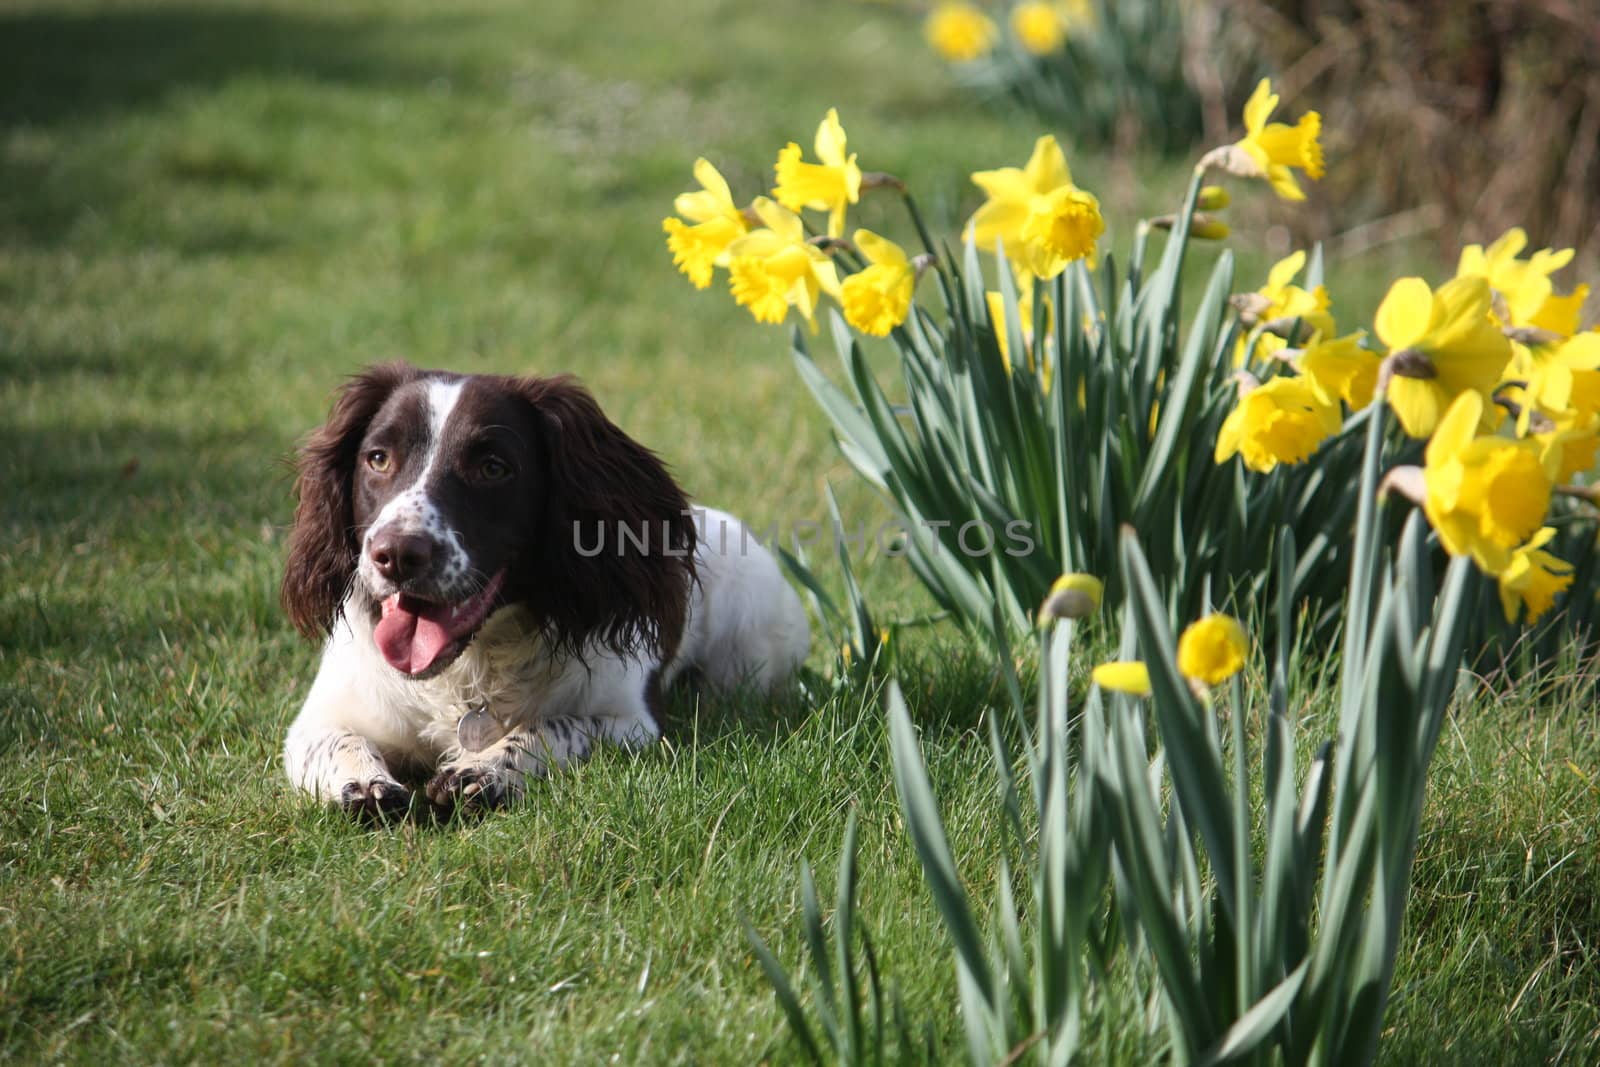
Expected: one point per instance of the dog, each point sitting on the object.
(502, 579)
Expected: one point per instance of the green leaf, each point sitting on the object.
(923, 823)
(784, 992)
(1254, 1026)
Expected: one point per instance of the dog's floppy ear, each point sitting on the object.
(615, 553)
(322, 548)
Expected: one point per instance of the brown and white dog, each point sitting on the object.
(504, 578)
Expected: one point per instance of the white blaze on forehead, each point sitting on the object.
(442, 397)
(412, 510)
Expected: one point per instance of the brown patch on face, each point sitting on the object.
(323, 546)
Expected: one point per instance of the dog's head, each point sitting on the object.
(437, 498)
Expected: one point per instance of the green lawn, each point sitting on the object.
(211, 213)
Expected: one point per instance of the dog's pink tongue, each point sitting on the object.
(412, 634)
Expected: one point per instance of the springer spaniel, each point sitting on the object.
(503, 579)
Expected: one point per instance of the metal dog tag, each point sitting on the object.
(477, 730)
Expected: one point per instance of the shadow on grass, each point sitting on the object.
(58, 67)
(66, 70)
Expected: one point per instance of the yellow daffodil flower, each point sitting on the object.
(1340, 369)
(717, 222)
(1282, 421)
(1274, 149)
(1123, 676)
(1569, 448)
(1072, 596)
(1533, 579)
(1038, 26)
(775, 268)
(878, 298)
(960, 32)
(1281, 303)
(1560, 377)
(1442, 343)
(1213, 650)
(1561, 315)
(830, 186)
(1041, 218)
(1524, 283)
(1484, 495)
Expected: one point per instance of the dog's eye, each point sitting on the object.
(494, 469)
(379, 460)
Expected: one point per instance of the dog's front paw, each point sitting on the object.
(381, 799)
(467, 787)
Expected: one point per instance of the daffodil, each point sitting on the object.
(1442, 343)
(1533, 579)
(1561, 315)
(1560, 377)
(1041, 218)
(1277, 306)
(1282, 421)
(1272, 150)
(878, 298)
(1123, 676)
(831, 185)
(1072, 596)
(960, 32)
(1213, 649)
(1484, 495)
(698, 248)
(1524, 284)
(1340, 369)
(775, 268)
(1569, 447)
(1038, 26)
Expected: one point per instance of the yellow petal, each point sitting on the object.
(780, 220)
(1046, 169)
(1405, 314)
(830, 144)
(713, 181)
(1457, 429)
(880, 249)
(1283, 273)
(1260, 107)
(1123, 676)
(1416, 403)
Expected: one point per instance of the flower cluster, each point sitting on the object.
(962, 32)
(1490, 368)
(1035, 217)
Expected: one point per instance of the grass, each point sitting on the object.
(208, 215)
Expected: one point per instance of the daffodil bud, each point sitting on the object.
(1212, 198)
(1206, 228)
(1073, 596)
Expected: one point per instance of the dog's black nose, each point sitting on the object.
(401, 556)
